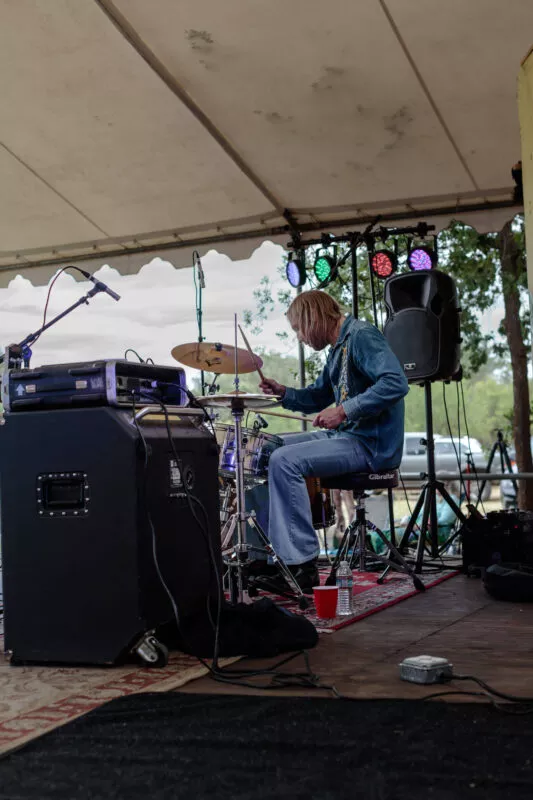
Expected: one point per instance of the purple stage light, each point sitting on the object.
(421, 258)
(295, 272)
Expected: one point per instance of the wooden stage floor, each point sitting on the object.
(457, 620)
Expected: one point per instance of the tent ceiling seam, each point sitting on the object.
(51, 188)
(137, 43)
(426, 91)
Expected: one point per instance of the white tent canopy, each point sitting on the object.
(135, 127)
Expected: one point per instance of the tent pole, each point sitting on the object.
(355, 299)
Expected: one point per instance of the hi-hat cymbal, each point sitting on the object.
(249, 400)
(215, 357)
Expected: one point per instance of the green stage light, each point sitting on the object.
(325, 268)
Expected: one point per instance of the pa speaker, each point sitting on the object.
(422, 326)
(86, 496)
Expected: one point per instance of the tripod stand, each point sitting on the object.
(428, 496)
(499, 447)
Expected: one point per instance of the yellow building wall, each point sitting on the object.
(525, 110)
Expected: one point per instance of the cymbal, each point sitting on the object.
(249, 400)
(215, 357)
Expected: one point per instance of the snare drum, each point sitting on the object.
(257, 447)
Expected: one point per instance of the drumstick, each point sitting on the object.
(285, 416)
(258, 368)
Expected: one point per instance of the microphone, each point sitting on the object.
(259, 422)
(100, 285)
(199, 267)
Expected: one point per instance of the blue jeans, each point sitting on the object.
(319, 454)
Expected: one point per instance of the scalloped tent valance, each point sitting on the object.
(130, 129)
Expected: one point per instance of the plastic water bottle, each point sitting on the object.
(345, 584)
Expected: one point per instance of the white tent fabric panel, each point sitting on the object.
(130, 128)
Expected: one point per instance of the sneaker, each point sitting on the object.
(259, 566)
(306, 576)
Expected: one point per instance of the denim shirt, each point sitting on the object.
(363, 374)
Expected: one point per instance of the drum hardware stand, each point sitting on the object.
(213, 387)
(238, 580)
(354, 539)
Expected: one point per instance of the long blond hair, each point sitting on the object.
(314, 313)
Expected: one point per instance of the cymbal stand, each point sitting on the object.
(237, 568)
(238, 590)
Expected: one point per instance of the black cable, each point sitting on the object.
(457, 456)
(131, 350)
(503, 695)
(307, 680)
(154, 544)
(480, 499)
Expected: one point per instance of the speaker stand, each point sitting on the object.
(428, 497)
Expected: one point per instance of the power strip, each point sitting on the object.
(426, 669)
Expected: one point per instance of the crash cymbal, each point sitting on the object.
(215, 357)
(249, 400)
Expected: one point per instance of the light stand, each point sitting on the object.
(428, 496)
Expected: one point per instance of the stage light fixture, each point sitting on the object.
(295, 271)
(383, 263)
(421, 258)
(325, 268)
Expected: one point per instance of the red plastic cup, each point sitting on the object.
(326, 598)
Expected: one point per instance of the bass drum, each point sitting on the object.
(257, 499)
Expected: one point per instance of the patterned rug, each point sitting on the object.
(36, 699)
(368, 596)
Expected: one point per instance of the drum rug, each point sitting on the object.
(368, 596)
(253, 748)
(36, 699)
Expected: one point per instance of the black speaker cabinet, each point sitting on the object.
(80, 506)
(422, 326)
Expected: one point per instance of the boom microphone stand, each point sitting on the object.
(15, 353)
(199, 286)
(428, 496)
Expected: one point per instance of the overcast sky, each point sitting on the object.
(156, 310)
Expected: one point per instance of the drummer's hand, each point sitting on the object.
(330, 418)
(270, 386)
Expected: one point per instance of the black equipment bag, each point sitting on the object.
(512, 582)
(260, 629)
(500, 537)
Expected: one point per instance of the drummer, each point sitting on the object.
(359, 397)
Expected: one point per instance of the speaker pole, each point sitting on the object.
(428, 496)
(432, 476)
